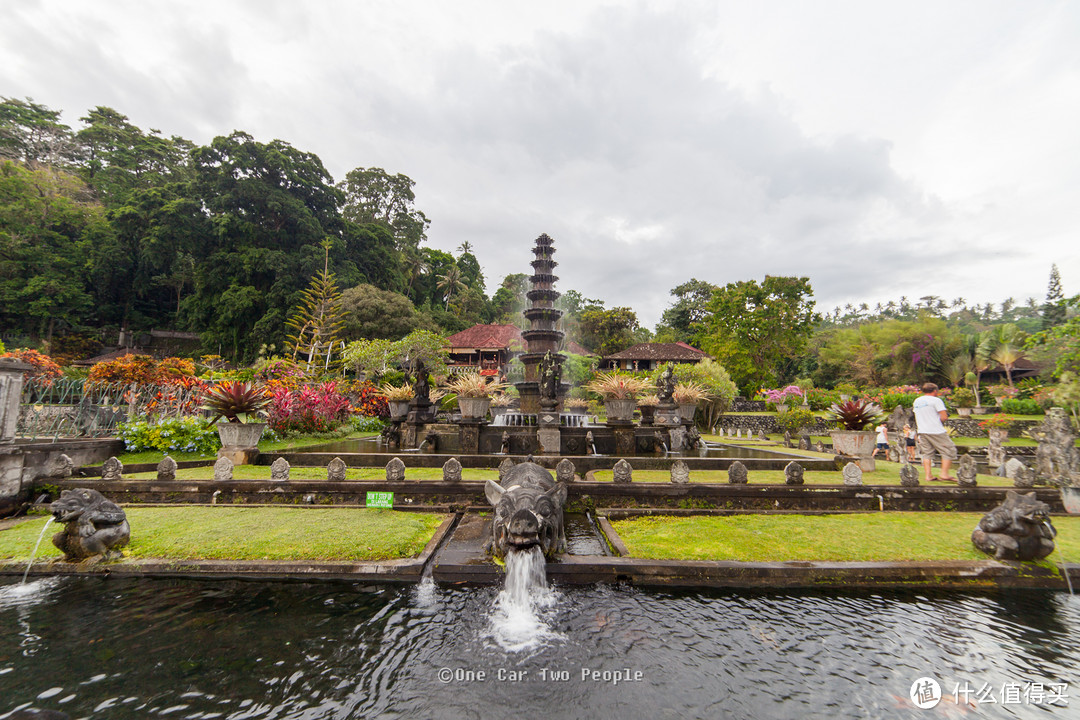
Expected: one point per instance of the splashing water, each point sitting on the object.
(36, 546)
(517, 622)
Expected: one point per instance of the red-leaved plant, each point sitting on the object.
(308, 410)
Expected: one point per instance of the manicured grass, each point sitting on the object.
(887, 473)
(262, 472)
(252, 533)
(891, 536)
(155, 456)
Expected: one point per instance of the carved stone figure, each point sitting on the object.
(279, 469)
(1057, 460)
(112, 469)
(550, 377)
(852, 474)
(421, 386)
(528, 511)
(93, 525)
(504, 468)
(787, 439)
(451, 471)
(761, 435)
(504, 443)
(965, 471)
(737, 474)
(804, 442)
(909, 476)
(1018, 529)
(995, 453)
(395, 470)
(819, 447)
(223, 469)
(166, 469)
(793, 473)
(391, 436)
(1025, 477)
(622, 472)
(1009, 469)
(693, 437)
(335, 471)
(564, 471)
(680, 472)
(665, 385)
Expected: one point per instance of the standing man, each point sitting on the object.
(930, 414)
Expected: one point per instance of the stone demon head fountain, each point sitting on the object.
(528, 511)
(1018, 529)
(93, 524)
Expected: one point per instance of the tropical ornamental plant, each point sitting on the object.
(795, 420)
(396, 393)
(613, 386)
(232, 399)
(998, 421)
(855, 415)
(309, 410)
(689, 392)
(962, 397)
(474, 385)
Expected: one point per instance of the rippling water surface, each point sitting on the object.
(106, 648)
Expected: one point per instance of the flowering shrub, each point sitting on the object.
(308, 410)
(43, 367)
(1044, 397)
(1000, 392)
(782, 395)
(1017, 406)
(998, 421)
(279, 372)
(184, 434)
(365, 398)
(143, 370)
(795, 420)
(366, 424)
(821, 399)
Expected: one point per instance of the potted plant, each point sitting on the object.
(854, 439)
(230, 400)
(782, 397)
(397, 399)
(576, 405)
(997, 427)
(474, 393)
(963, 399)
(619, 393)
(687, 396)
(647, 405)
(500, 403)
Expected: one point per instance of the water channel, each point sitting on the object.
(108, 648)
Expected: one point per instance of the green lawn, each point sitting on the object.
(155, 456)
(252, 533)
(891, 536)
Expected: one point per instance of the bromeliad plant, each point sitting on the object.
(396, 393)
(855, 414)
(232, 399)
(690, 392)
(613, 386)
(474, 385)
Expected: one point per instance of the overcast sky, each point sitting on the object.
(881, 149)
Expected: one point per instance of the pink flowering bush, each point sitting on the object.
(782, 395)
(308, 410)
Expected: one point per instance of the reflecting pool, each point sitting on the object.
(108, 648)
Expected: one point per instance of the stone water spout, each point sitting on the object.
(93, 525)
(528, 511)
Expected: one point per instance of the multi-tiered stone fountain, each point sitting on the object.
(542, 390)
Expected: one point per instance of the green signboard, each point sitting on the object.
(380, 499)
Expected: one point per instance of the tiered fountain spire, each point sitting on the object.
(542, 337)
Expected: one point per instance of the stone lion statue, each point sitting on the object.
(93, 525)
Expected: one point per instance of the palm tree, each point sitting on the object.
(450, 283)
(465, 247)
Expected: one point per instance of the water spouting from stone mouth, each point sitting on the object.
(36, 546)
(518, 620)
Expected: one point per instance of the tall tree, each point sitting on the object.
(1054, 308)
(753, 328)
(607, 331)
(33, 134)
(372, 195)
(686, 316)
(317, 322)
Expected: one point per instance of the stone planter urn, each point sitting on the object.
(398, 409)
(981, 410)
(647, 412)
(240, 441)
(963, 411)
(620, 410)
(687, 411)
(858, 444)
(474, 407)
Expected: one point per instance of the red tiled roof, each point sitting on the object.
(572, 347)
(487, 337)
(659, 352)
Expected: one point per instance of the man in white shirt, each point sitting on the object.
(930, 414)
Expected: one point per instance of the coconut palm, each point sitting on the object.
(450, 283)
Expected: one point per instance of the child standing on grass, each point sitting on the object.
(882, 440)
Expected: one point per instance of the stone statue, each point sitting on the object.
(680, 472)
(451, 471)
(421, 387)
(665, 385)
(112, 469)
(335, 471)
(395, 470)
(737, 474)
(223, 470)
(166, 469)
(550, 377)
(279, 469)
(852, 474)
(93, 525)
(793, 473)
(622, 472)
(966, 471)
(504, 468)
(528, 511)
(1057, 460)
(565, 471)
(909, 476)
(1018, 529)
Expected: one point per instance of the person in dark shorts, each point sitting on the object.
(909, 441)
